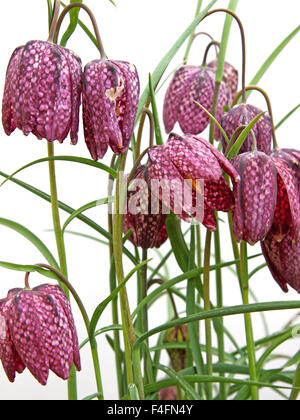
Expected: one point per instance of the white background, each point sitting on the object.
(142, 32)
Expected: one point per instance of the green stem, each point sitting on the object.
(248, 322)
(128, 330)
(72, 381)
(113, 285)
(190, 42)
(220, 331)
(144, 312)
(207, 307)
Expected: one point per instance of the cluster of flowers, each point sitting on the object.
(42, 95)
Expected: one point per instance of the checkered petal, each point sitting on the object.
(255, 196)
(110, 99)
(283, 260)
(44, 86)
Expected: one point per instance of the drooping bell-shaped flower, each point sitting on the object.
(178, 357)
(190, 84)
(37, 331)
(42, 92)
(230, 77)
(189, 172)
(255, 196)
(144, 214)
(283, 260)
(110, 99)
(242, 115)
(287, 213)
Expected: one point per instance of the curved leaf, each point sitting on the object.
(22, 230)
(27, 269)
(190, 392)
(76, 159)
(164, 63)
(88, 206)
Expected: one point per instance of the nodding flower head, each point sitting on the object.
(110, 99)
(146, 221)
(242, 115)
(190, 169)
(37, 331)
(42, 92)
(190, 84)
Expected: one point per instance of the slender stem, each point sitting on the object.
(86, 320)
(93, 20)
(207, 307)
(114, 303)
(270, 110)
(243, 38)
(219, 288)
(55, 16)
(211, 44)
(192, 37)
(144, 312)
(248, 322)
(147, 112)
(128, 330)
(72, 385)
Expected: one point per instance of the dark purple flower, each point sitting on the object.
(110, 99)
(241, 115)
(168, 394)
(42, 92)
(148, 226)
(283, 260)
(192, 159)
(255, 196)
(37, 331)
(230, 77)
(189, 84)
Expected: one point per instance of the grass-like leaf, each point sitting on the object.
(158, 133)
(242, 137)
(31, 237)
(72, 25)
(164, 63)
(27, 269)
(76, 159)
(256, 79)
(287, 116)
(88, 206)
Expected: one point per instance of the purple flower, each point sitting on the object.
(283, 260)
(148, 226)
(230, 77)
(110, 99)
(189, 84)
(37, 331)
(241, 115)
(190, 159)
(42, 92)
(255, 196)
(267, 198)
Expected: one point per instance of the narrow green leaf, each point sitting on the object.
(220, 312)
(81, 160)
(69, 210)
(224, 42)
(133, 392)
(97, 395)
(164, 63)
(296, 385)
(22, 230)
(215, 121)
(190, 392)
(176, 237)
(242, 137)
(73, 13)
(158, 133)
(288, 115)
(88, 206)
(256, 79)
(100, 308)
(27, 269)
